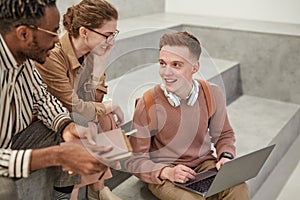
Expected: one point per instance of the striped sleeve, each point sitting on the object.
(48, 108)
(15, 163)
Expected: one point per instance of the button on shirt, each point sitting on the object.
(22, 94)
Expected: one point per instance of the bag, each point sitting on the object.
(107, 123)
(87, 92)
(151, 113)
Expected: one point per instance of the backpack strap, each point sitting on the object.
(151, 113)
(210, 101)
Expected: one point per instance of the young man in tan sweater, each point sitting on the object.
(181, 145)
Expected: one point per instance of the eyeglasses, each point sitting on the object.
(110, 37)
(56, 34)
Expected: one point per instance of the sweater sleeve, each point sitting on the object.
(141, 164)
(220, 129)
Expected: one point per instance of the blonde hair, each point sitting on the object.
(90, 14)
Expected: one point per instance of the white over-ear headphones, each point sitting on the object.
(174, 100)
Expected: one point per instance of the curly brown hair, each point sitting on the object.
(90, 14)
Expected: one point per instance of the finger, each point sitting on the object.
(190, 177)
(100, 149)
(116, 165)
(119, 117)
(89, 138)
(218, 165)
(181, 180)
(121, 120)
(185, 180)
(93, 128)
(189, 170)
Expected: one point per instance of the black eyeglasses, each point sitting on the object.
(56, 34)
(109, 38)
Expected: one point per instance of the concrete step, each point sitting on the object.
(283, 181)
(259, 122)
(290, 189)
(126, 88)
(133, 188)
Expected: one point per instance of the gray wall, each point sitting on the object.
(126, 8)
(270, 63)
(133, 8)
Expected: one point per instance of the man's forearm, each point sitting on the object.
(45, 157)
(72, 156)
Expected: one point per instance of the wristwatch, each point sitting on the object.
(226, 155)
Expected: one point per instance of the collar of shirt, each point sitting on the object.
(67, 47)
(8, 59)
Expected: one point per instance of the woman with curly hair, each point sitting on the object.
(74, 73)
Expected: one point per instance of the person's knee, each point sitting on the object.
(240, 192)
(169, 191)
(243, 187)
(8, 189)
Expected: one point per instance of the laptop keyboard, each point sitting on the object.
(202, 185)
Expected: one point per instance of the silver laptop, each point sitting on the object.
(236, 171)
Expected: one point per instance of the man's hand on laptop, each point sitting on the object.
(179, 173)
(221, 162)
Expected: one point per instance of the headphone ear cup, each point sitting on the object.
(173, 99)
(194, 96)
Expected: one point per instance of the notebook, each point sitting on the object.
(236, 171)
(118, 140)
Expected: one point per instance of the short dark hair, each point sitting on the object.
(182, 39)
(18, 12)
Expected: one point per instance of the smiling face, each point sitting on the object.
(177, 67)
(97, 43)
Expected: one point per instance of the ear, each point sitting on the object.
(196, 67)
(82, 32)
(23, 33)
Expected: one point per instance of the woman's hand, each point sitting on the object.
(110, 107)
(74, 131)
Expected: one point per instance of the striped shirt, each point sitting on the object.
(22, 95)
